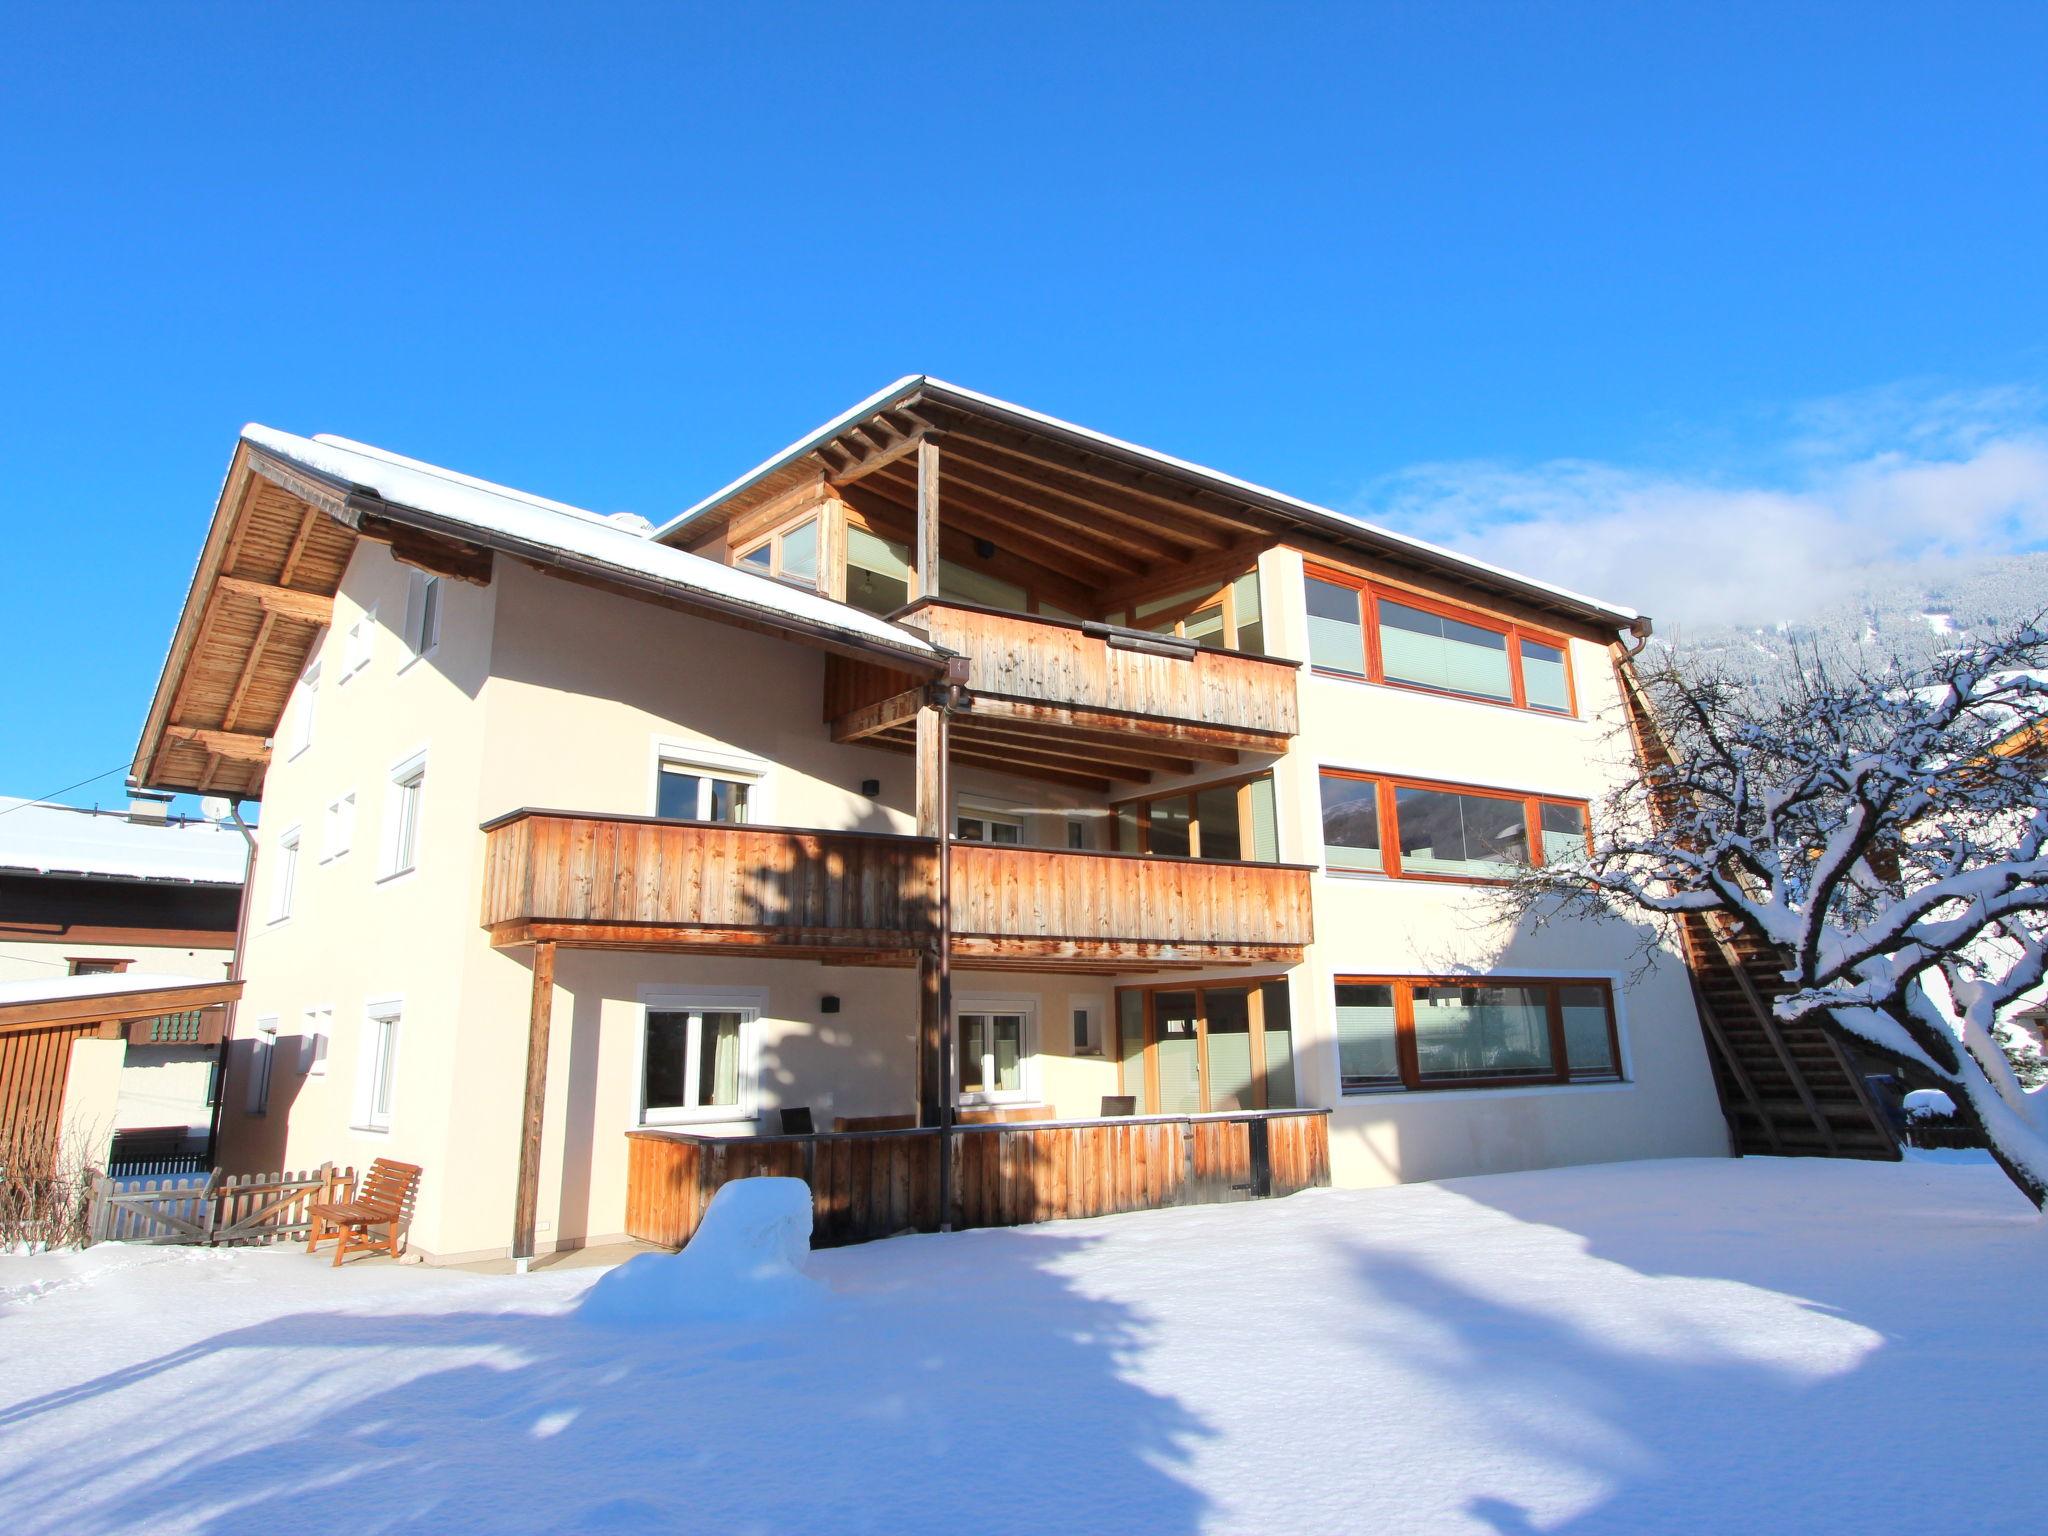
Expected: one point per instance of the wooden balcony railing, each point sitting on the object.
(635, 882)
(1038, 904)
(1072, 685)
(638, 882)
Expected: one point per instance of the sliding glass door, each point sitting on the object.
(1195, 1049)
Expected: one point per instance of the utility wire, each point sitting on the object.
(119, 767)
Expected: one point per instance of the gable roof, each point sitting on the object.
(39, 838)
(290, 513)
(1341, 527)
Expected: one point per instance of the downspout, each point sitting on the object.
(1640, 627)
(227, 1034)
(948, 694)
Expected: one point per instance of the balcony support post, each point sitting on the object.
(539, 1017)
(927, 517)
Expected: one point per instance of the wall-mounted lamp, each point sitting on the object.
(871, 787)
(828, 1004)
(985, 549)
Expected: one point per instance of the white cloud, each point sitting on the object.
(1877, 478)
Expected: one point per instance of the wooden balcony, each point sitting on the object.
(634, 882)
(1074, 701)
(870, 1184)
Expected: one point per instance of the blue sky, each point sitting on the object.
(1549, 281)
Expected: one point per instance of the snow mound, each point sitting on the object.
(745, 1263)
(1926, 1102)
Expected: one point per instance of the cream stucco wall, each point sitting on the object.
(546, 693)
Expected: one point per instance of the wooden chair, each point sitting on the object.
(385, 1200)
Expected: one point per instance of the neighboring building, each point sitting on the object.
(1225, 776)
(135, 894)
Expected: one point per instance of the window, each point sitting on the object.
(877, 571)
(1398, 1033)
(1235, 819)
(1193, 1049)
(262, 1048)
(1356, 629)
(790, 554)
(83, 966)
(964, 584)
(306, 699)
(402, 819)
(1087, 1017)
(1079, 837)
(1229, 617)
(338, 829)
(286, 877)
(697, 1061)
(688, 792)
(1418, 830)
(978, 826)
(422, 613)
(377, 1066)
(994, 1044)
(356, 650)
(316, 1027)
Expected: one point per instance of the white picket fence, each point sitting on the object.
(213, 1209)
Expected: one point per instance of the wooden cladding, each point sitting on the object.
(878, 1183)
(638, 882)
(1053, 661)
(35, 1064)
(1027, 901)
(628, 881)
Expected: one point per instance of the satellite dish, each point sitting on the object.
(215, 808)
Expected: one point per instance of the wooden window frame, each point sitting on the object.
(1226, 595)
(1147, 1092)
(1406, 1054)
(1390, 828)
(772, 542)
(1514, 631)
(1242, 783)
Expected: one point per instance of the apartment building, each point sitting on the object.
(956, 764)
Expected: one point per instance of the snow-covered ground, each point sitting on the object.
(1641, 1348)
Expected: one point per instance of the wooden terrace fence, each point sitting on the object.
(870, 1184)
(212, 1210)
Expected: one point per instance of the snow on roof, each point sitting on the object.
(1306, 509)
(64, 989)
(48, 839)
(497, 514)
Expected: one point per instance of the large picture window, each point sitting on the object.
(1413, 829)
(1356, 629)
(1397, 1033)
(1229, 617)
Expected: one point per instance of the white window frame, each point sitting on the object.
(423, 601)
(403, 774)
(373, 1062)
(338, 827)
(712, 763)
(316, 1030)
(988, 816)
(1096, 1007)
(262, 1056)
(284, 877)
(360, 643)
(1027, 1091)
(772, 542)
(306, 705)
(751, 1003)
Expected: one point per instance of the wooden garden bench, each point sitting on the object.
(385, 1200)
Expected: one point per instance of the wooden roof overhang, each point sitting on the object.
(109, 1013)
(1103, 522)
(281, 538)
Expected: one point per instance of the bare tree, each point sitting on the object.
(1885, 829)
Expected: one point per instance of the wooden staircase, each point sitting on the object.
(1787, 1090)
